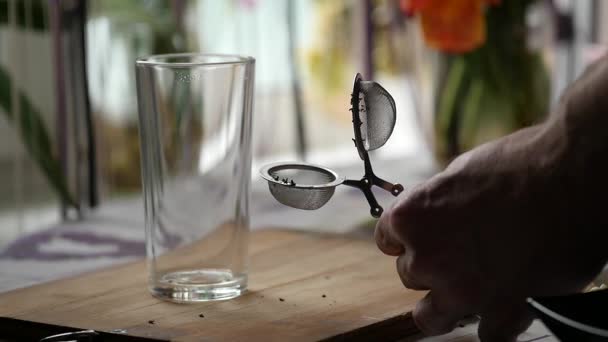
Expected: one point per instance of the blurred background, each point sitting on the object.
(69, 146)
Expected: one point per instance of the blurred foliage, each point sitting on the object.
(35, 137)
(32, 130)
(157, 15)
(120, 156)
(336, 55)
(393, 53)
(332, 55)
(37, 13)
(493, 90)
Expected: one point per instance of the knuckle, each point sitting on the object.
(410, 209)
(420, 210)
(407, 279)
(414, 266)
(433, 195)
(433, 320)
(379, 237)
(385, 240)
(396, 220)
(442, 187)
(418, 266)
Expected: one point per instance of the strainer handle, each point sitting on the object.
(366, 187)
(394, 189)
(375, 209)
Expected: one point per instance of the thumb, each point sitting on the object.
(505, 323)
(385, 236)
(434, 316)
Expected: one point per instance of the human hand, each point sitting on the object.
(500, 224)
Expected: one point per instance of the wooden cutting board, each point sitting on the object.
(303, 287)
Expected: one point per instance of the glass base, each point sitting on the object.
(199, 285)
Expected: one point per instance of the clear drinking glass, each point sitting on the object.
(195, 130)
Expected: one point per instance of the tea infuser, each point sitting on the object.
(307, 186)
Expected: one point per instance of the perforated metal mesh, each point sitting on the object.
(301, 186)
(308, 199)
(378, 114)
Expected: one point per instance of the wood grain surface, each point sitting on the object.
(302, 287)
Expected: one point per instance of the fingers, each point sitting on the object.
(505, 323)
(398, 223)
(385, 236)
(435, 316)
(409, 279)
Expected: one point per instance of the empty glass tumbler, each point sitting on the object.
(195, 130)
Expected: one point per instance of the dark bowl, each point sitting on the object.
(579, 317)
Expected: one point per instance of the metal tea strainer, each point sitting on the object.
(307, 186)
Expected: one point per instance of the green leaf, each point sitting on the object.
(32, 16)
(3, 12)
(471, 112)
(35, 138)
(449, 93)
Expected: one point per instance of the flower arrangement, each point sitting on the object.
(491, 81)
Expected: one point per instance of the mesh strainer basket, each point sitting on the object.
(307, 186)
(315, 184)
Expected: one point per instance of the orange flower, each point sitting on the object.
(454, 26)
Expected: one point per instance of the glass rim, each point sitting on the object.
(229, 59)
